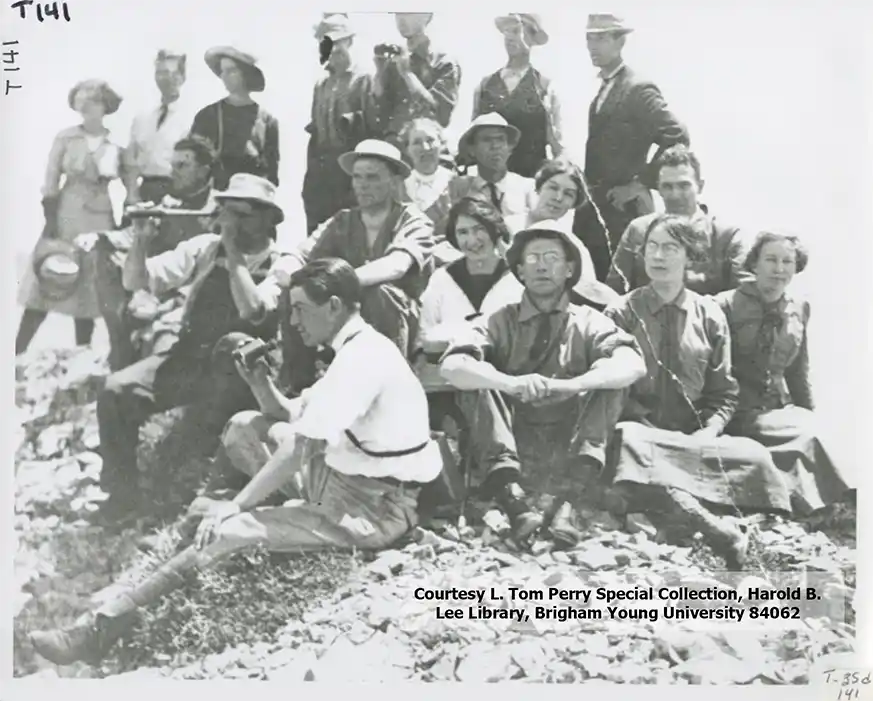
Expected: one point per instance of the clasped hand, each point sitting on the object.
(212, 513)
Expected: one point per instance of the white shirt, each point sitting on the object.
(424, 190)
(370, 390)
(517, 194)
(606, 86)
(444, 309)
(150, 151)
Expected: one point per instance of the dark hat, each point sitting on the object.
(254, 188)
(56, 264)
(255, 81)
(111, 100)
(592, 290)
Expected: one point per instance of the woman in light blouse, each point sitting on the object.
(75, 199)
(671, 429)
(771, 363)
(470, 288)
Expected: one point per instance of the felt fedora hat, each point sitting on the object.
(374, 148)
(334, 26)
(592, 290)
(491, 119)
(539, 36)
(599, 23)
(254, 188)
(255, 76)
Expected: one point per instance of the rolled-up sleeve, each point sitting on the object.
(602, 335)
(278, 278)
(174, 269)
(415, 236)
(445, 88)
(486, 340)
(352, 383)
(621, 276)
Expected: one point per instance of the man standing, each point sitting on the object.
(627, 117)
(388, 243)
(680, 184)
(190, 191)
(417, 82)
(155, 132)
(229, 292)
(342, 116)
(356, 447)
(542, 382)
(488, 143)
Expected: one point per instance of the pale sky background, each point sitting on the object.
(776, 94)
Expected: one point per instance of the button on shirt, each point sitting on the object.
(370, 390)
(150, 151)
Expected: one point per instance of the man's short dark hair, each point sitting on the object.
(677, 156)
(202, 148)
(324, 278)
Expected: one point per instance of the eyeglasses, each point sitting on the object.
(669, 249)
(549, 258)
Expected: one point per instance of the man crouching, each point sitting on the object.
(355, 447)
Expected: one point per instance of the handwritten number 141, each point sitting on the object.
(43, 9)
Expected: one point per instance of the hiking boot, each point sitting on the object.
(88, 640)
(562, 528)
(523, 521)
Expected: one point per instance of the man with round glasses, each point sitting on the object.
(542, 382)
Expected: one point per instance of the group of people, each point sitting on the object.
(562, 323)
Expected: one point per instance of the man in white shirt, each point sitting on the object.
(148, 158)
(356, 446)
(488, 143)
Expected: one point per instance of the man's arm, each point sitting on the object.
(661, 127)
(289, 456)
(412, 245)
(443, 95)
(388, 268)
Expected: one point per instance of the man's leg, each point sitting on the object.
(489, 419)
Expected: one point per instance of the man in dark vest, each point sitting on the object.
(230, 292)
(680, 184)
(627, 117)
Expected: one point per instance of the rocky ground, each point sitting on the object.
(353, 617)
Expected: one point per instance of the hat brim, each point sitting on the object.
(540, 35)
(347, 162)
(605, 30)
(280, 214)
(335, 36)
(213, 60)
(466, 140)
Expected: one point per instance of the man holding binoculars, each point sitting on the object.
(230, 291)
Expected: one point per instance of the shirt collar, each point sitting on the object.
(614, 72)
(482, 184)
(656, 303)
(354, 324)
(528, 311)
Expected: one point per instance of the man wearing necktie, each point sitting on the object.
(155, 132)
(627, 117)
(486, 146)
(542, 384)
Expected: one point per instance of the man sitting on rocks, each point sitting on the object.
(680, 185)
(191, 191)
(224, 272)
(545, 381)
(356, 446)
(388, 243)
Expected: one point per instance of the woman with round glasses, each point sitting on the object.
(768, 328)
(671, 440)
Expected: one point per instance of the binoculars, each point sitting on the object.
(387, 50)
(249, 352)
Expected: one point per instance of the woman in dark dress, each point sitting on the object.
(245, 135)
(523, 96)
(771, 363)
(670, 434)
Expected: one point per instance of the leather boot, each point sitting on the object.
(725, 539)
(562, 528)
(91, 638)
(511, 499)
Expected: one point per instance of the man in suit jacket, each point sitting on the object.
(626, 118)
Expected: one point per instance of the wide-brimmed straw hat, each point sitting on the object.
(592, 290)
(598, 23)
(254, 188)
(57, 265)
(255, 80)
(335, 26)
(374, 148)
(492, 119)
(539, 36)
